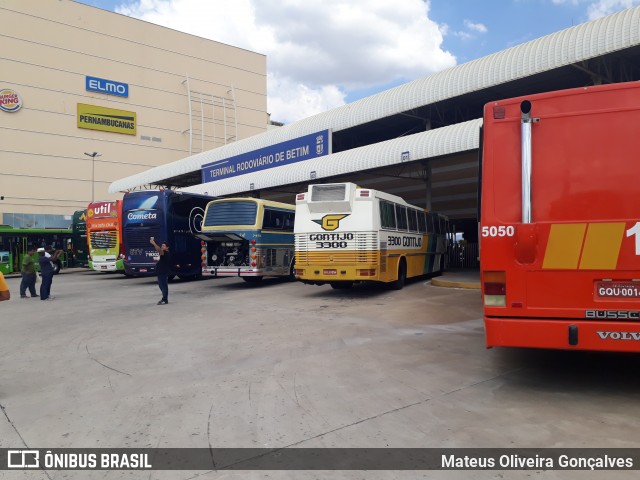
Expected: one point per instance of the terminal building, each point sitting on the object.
(89, 96)
(420, 140)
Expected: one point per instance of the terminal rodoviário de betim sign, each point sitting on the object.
(106, 119)
(296, 150)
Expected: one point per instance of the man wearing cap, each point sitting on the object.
(28, 272)
(46, 271)
(163, 269)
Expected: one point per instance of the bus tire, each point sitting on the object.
(252, 279)
(292, 272)
(402, 276)
(341, 285)
(56, 268)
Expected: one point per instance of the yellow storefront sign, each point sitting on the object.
(106, 119)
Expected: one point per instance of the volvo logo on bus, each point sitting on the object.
(330, 222)
(619, 336)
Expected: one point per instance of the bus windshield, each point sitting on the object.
(242, 213)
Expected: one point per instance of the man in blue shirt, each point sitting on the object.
(46, 271)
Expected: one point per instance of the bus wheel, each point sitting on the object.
(292, 272)
(341, 285)
(56, 268)
(402, 276)
(252, 279)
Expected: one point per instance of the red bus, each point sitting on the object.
(560, 220)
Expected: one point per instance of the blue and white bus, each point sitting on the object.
(248, 238)
(165, 215)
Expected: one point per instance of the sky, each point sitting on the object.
(322, 54)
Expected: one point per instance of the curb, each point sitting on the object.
(441, 282)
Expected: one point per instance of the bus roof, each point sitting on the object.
(259, 201)
(374, 193)
(20, 231)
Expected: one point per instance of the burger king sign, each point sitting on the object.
(10, 101)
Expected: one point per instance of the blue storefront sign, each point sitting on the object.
(303, 148)
(110, 87)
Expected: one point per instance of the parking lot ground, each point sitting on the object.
(229, 364)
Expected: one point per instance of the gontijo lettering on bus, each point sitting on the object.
(298, 149)
(109, 87)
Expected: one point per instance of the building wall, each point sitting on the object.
(49, 47)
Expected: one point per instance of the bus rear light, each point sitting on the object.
(364, 193)
(202, 242)
(300, 196)
(298, 272)
(253, 264)
(253, 242)
(369, 272)
(499, 112)
(253, 249)
(495, 288)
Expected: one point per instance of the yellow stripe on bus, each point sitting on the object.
(564, 246)
(602, 246)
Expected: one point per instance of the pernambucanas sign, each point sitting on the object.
(106, 119)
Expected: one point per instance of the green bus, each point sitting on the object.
(78, 250)
(15, 242)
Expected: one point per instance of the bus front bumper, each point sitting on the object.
(110, 266)
(319, 274)
(140, 271)
(233, 272)
(565, 334)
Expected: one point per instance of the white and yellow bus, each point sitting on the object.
(248, 238)
(346, 234)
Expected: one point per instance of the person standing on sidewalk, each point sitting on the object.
(46, 270)
(28, 272)
(5, 294)
(163, 269)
